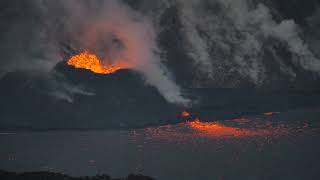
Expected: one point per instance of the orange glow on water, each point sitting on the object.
(91, 62)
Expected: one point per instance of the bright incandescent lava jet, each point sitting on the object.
(86, 60)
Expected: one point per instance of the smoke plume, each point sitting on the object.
(227, 41)
(234, 37)
(110, 29)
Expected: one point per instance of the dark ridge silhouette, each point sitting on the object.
(123, 100)
(57, 176)
(119, 100)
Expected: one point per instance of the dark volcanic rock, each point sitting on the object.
(118, 100)
(123, 100)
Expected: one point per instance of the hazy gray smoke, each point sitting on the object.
(118, 33)
(287, 32)
(61, 89)
(191, 12)
(228, 33)
(227, 40)
(108, 28)
(215, 42)
(28, 46)
(313, 35)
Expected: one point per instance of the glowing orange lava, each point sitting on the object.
(262, 129)
(185, 114)
(230, 129)
(270, 113)
(217, 129)
(91, 62)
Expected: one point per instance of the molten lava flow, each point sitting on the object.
(217, 129)
(270, 113)
(260, 129)
(85, 60)
(238, 128)
(185, 114)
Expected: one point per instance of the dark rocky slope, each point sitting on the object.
(123, 100)
(118, 100)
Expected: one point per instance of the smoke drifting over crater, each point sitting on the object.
(110, 29)
(121, 35)
(242, 37)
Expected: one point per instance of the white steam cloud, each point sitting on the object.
(235, 33)
(117, 32)
(224, 38)
(138, 46)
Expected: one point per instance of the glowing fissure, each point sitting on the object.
(219, 129)
(222, 129)
(230, 129)
(86, 60)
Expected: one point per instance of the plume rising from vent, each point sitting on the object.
(213, 43)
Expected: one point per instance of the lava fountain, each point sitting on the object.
(86, 60)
